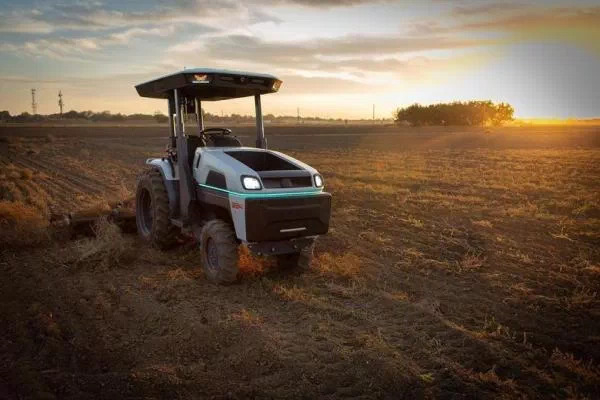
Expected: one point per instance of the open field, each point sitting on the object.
(459, 264)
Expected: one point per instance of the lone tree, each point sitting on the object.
(159, 117)
(472, 113)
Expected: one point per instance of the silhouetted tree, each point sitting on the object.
(504, 112)
(472, 113)
(160, 117)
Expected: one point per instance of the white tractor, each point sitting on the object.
(226, 194)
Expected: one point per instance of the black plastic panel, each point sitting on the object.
(293, 182)
(265, 218)
(261, 160)
(216, 179)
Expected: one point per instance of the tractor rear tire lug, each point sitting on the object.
(161, 233)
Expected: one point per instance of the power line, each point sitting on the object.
(60, 102)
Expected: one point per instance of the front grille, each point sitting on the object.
(278, 219)
(294, 182)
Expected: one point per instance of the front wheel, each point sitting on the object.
(219, 251)
(301, 260)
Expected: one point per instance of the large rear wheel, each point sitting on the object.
(152, 210)
(219, 251)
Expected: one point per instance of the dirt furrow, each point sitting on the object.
(55, 186)
(60, 174)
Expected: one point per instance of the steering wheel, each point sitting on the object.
(217, 131)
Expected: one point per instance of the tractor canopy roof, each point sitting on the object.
(210, 84)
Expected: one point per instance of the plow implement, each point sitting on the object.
(82, 222)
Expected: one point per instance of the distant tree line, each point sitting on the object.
(77, 115)
(159, 117)
(471, 113)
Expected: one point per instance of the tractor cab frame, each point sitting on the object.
(185, 91)
(222, 192)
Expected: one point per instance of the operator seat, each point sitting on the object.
(193, 142)
(223, 141)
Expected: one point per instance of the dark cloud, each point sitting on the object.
(511, 18)
(327, 3)
(306, 85)
(354, 58)
(249, 47)
(89, 16)
(363, 66)
(547, 18)
(487, 9)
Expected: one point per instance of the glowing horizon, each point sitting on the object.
(336, 58)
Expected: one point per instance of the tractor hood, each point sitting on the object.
(277, 172)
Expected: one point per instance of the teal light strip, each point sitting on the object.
(262, 195)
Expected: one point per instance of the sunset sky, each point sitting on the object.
(336, 58)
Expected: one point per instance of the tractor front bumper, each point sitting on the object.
(280, 247)
(280, 219)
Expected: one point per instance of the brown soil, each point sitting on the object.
(459, 264)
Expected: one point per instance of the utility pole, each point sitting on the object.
(33, 103)
(373, 112)
(60, 102)
(298, 114)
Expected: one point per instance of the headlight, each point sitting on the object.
(251, 183)
(318, 181)
(276, 85)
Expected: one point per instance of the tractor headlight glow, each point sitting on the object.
(318, 181)
(251, 183)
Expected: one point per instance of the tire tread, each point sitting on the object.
(223, 235)
(164, 233)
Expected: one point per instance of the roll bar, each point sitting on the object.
(177, 129)
(261, 142)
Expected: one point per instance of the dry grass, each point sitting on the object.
(251, 265)
(293, 293)
(346, 265)
(21, 225)
(12, 172)
(470, 263)
(483, 223)
(94, 208)
(585, 370)
(247, 317)
(108, 248)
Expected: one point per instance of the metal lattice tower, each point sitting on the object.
(60, 102)
(33, 103)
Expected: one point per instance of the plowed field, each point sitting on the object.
(459, 264)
